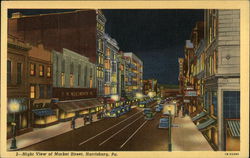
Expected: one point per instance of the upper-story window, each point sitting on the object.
(108, 52)
(32, 69)
(41, 70)
(48, 71)
(9, 71)
(100, 44)
(19, 73)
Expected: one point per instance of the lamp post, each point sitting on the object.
(169, 129)
(14, 107)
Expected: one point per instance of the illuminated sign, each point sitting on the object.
(191, 93)
(74, 93)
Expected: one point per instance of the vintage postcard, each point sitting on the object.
(125, 79)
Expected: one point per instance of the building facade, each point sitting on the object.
(212, 72)
(17, 87)
(40, 86)
(81, 31)
(134, 75)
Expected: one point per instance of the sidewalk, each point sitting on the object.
(186, 137)
(41, 134)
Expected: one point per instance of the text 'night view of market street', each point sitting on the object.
(123, 80)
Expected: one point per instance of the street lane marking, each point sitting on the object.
(119, 131)
(108, 129)
(133, 134)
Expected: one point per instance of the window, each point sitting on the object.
(108, 52)
(32, 91)
(48, 71)
(85, 76)
(49, 91)
(231, 104)
(19, 73)
(214, 103)
(71, 80)
(79, 75)
(62, 79)
(63, 65)
(32, 69)
(41, 91)
(91, 82)
(9, 71)
(41, 70)
(100, 45)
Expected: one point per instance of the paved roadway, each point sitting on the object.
(130, 132)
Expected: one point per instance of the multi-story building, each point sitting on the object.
(17, 87)
(222, 77)
(134, 74)
(81, 31)
(40, 86)
(111, 67)
(215, 77)
(74, 81)
(150, 87)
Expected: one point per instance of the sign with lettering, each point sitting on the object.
(74, 93)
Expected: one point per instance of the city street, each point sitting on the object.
(130, 132)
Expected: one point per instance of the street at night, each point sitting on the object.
(89, 80)
(130, 132)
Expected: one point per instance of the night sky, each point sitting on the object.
(155, 36)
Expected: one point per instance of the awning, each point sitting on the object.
(234, 127)
(198, 116)
(206, 124)
(78, 105)
(43, 112)
(37, 101)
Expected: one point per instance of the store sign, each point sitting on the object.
(190, 93)
(189, 88)
(74, 93)
(186, 101)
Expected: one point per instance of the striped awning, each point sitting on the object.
(198, 116)
(234, 128)
(206, 123)
(43, 112)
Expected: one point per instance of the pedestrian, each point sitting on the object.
(73, 123)
(84, 120)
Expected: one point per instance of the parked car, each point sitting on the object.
(158, 109)
(164, 123)
(147, 110)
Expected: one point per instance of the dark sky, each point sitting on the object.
(155, 36)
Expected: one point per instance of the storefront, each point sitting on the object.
(42, 113)
(18, 114)
(80, 108)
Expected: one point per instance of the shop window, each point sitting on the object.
(9, 71)
(32, 91)
(41, 70)
(32, 69)
(19, 73)
(48, 71)
(231, 104)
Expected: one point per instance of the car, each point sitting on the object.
(164, 123)
(147, 110)
(149, 116)
(158, 109)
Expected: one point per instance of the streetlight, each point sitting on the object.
(14, 107)
(169, 128)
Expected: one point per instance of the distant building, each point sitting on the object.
(134, 74)
(150, 85)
